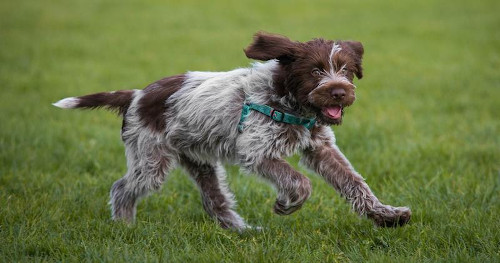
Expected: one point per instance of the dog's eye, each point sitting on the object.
(343, 71)
(316, 72)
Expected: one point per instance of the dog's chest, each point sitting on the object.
(269, 139)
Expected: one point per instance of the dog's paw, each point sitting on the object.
(282, 209)
(292, 199)
(388, 216)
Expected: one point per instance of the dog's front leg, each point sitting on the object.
(293, 188)
(331, 164)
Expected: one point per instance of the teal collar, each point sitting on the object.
(273, 114)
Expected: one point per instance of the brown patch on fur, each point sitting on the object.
(118, 100)
(268, 46)
(152, 107)
(356, 49)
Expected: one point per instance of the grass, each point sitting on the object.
(424, 131)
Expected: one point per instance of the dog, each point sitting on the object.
(252, 117)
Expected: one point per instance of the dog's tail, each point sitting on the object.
(116, 100)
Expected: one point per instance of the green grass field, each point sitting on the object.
(424, 131)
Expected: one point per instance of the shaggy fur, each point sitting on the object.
(191, 120)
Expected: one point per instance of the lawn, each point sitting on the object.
(424, 131)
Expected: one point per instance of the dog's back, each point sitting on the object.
(195, 114)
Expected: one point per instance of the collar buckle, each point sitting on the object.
(277, 115)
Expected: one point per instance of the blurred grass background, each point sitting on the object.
(424, 131)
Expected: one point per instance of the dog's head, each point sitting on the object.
(318, 73)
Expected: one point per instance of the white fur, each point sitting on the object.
(335, 49)
(67, 103)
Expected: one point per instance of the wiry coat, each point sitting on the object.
(192, 120)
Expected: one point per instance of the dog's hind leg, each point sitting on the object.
(148, 165)
(217, 200)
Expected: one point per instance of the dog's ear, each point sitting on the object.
(358, 50)
(268, 46)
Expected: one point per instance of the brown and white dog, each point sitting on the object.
(192, 120)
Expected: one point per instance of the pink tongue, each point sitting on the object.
(334, 112)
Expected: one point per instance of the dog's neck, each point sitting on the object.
(284, 86)
(287, 103)
(271, 89)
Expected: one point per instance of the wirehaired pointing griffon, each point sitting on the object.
(253, 117)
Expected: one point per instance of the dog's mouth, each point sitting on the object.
(333, 114)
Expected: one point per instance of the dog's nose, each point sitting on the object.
(338, 94)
